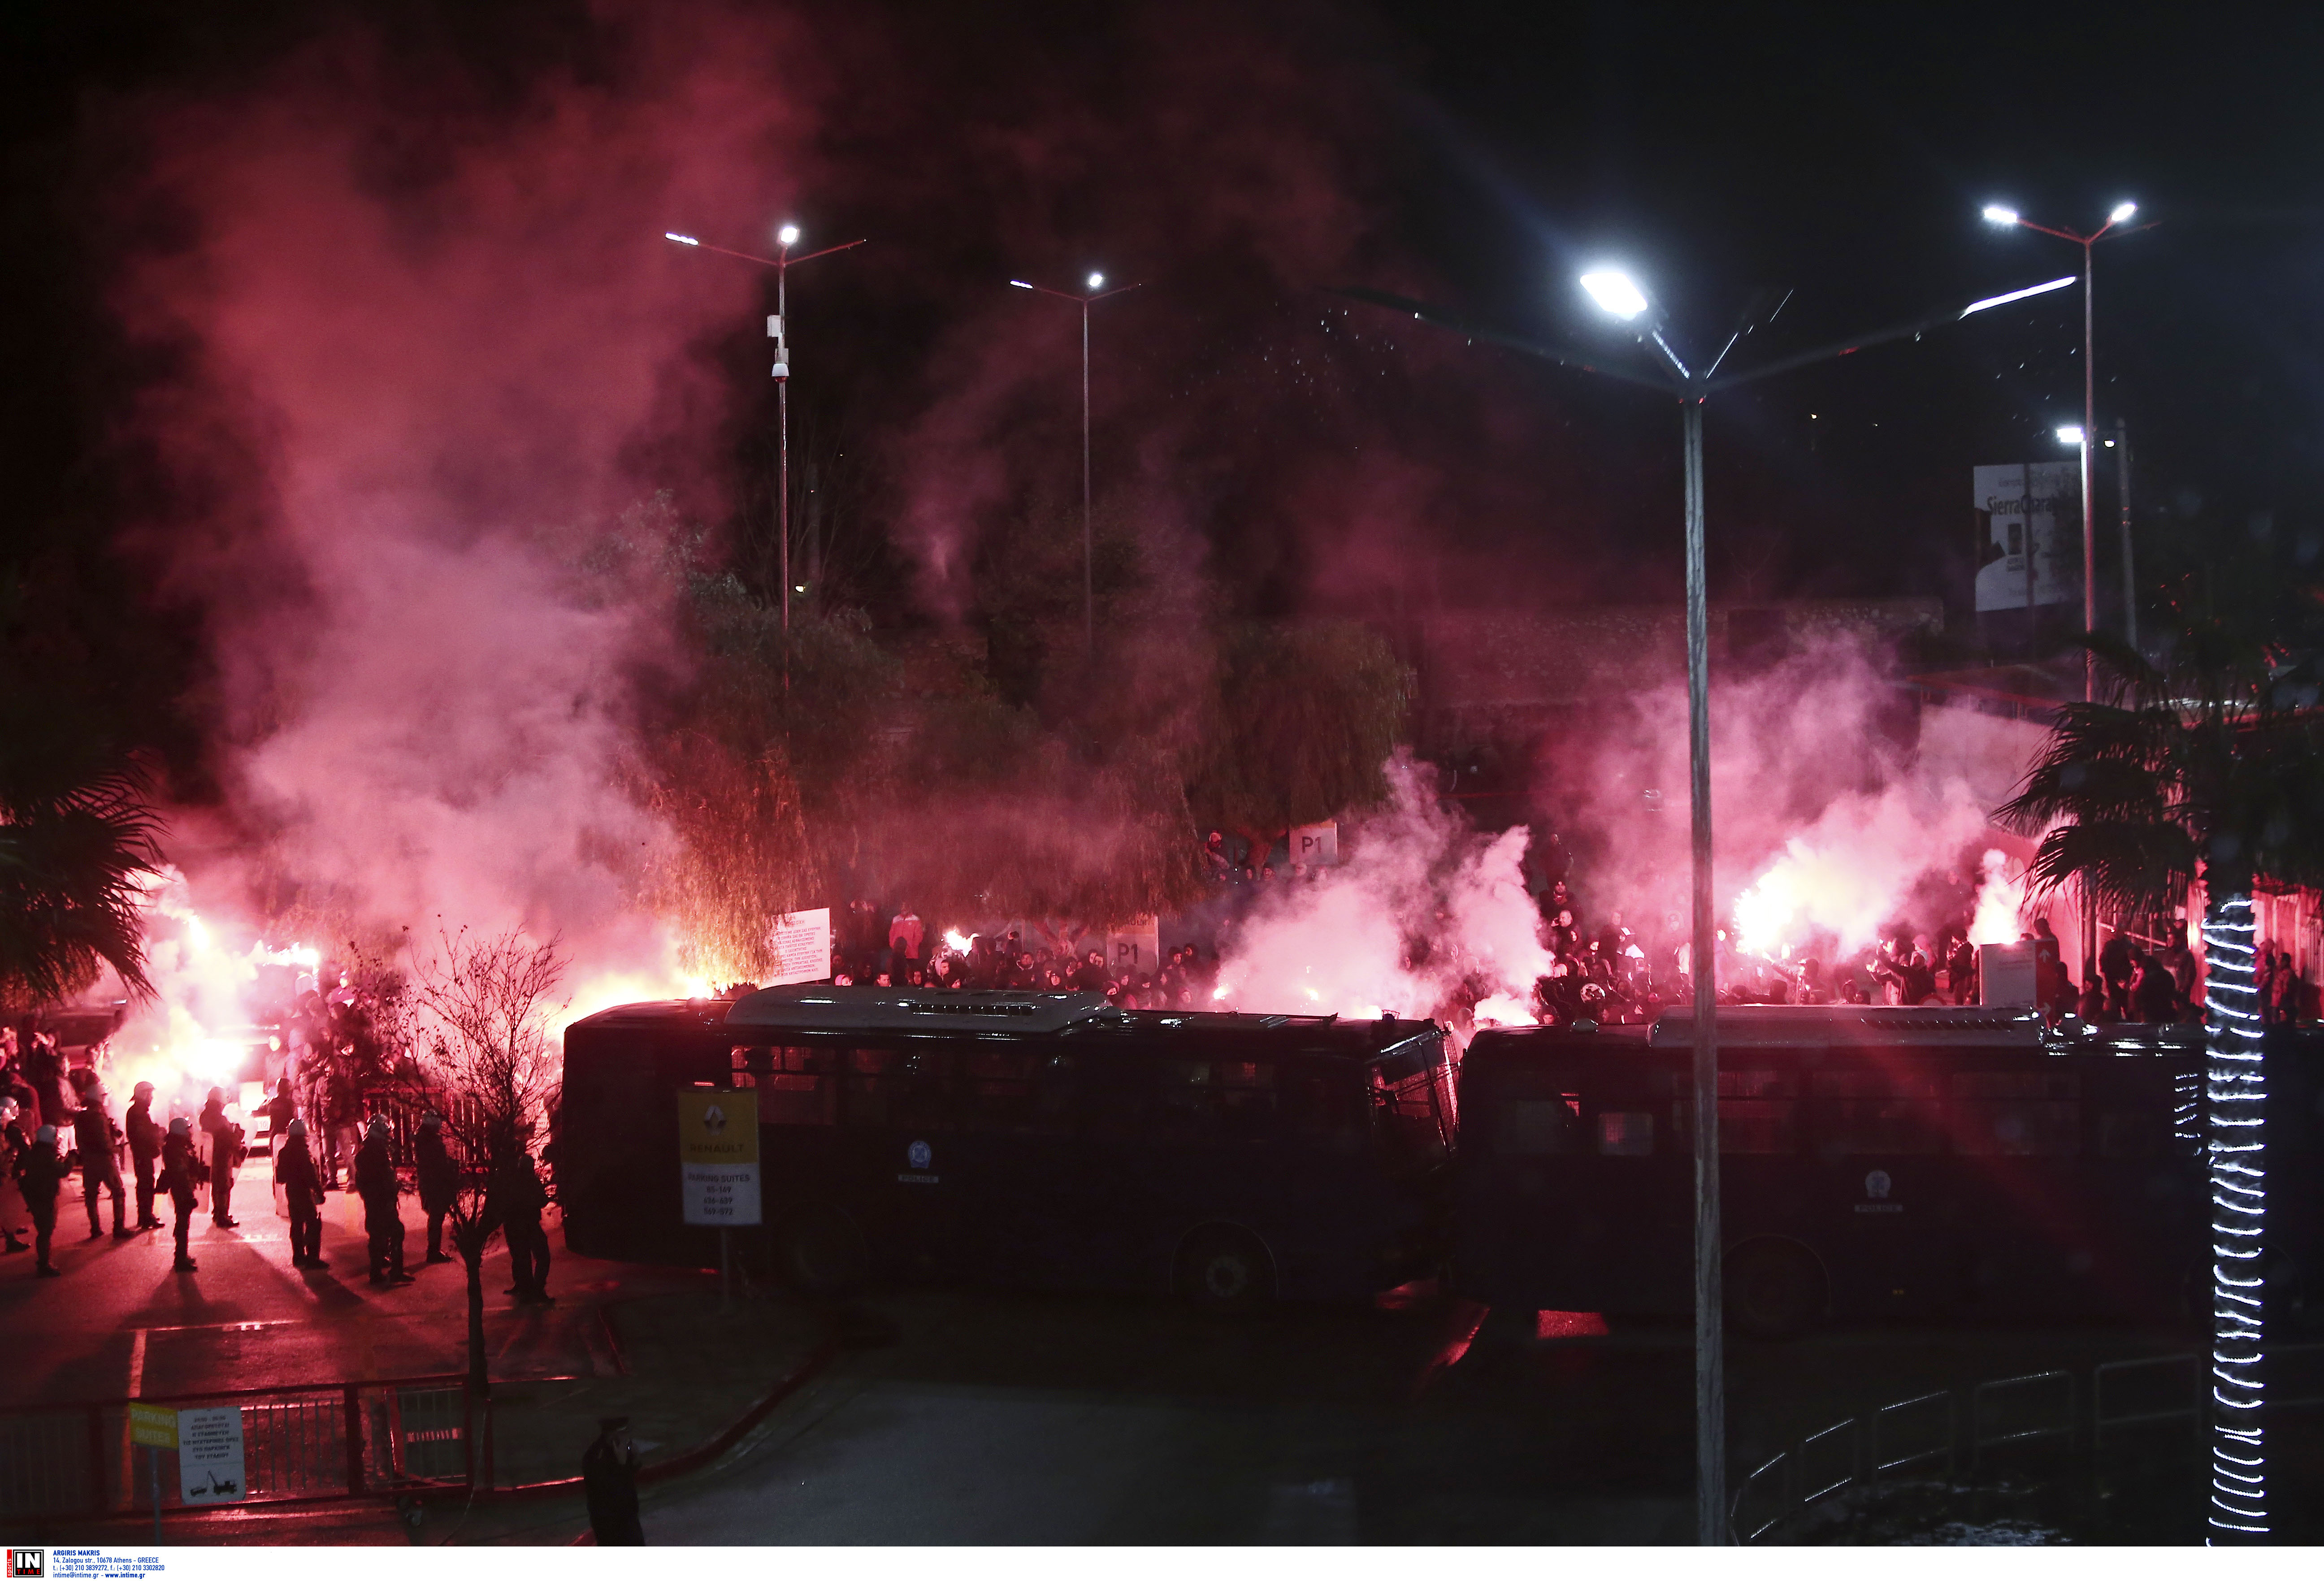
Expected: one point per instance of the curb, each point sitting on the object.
(701, 1455)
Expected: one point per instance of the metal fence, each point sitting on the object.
(320, 1441)
(2125, 1409)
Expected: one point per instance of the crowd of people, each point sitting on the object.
(193, 1163)
(875, 947)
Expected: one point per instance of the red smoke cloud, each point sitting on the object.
(424, 340)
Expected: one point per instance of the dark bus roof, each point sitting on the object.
(821, 1009)
(1850, 1026)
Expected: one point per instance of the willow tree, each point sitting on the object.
(2209, 766)
(1306, 715)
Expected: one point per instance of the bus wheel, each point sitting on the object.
(823, 1253)
(1775, 1289)
(1225, 1271)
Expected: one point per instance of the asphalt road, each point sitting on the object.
(974, 1416)
(987, 1417)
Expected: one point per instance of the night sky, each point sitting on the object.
(1330, 454)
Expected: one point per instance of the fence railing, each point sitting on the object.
(2126, 1408)
(303, 1442)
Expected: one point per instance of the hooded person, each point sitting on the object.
(438, 1182)
(100, 1166)
(302, 1194)
(376, 1184)
(146, 1140)
(181, 1168)
(39, 1175)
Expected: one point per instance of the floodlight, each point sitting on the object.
(2000, 214)
(2071, 434)
(787, 235)
(683, 240)
(1096, 281)
(2122, 211)
(1615, 292)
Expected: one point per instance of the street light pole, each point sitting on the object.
(2001, 215)
(2129, 572)
(777, 331)
(1094, 294)
(1616, 294)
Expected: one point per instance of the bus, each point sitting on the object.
(1928, 1162)
(1025, 1138)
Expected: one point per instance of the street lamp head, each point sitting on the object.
(2071, 434)
(681, 241)
(1615, 292)
(787, 235)
(2122, 211)
(1021, 285)
(2000, 214)
(1095, 279)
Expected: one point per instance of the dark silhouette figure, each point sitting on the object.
(180, 1166)
(609, 1479)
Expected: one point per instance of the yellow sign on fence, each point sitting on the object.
(155, 1426)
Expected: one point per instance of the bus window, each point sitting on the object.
(1876, 1111)
(907, 1088)
(2028, 1113)
(1053, 1095)
(797, 1086)
(1186, 1102)
(1767, 1125)
(997, 1090)
(1406, 1106)
(1247, 1093)
(1536, 1128)
(1322, 1107)
(1625, 1133)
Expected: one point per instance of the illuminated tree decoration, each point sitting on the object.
(2236, 1098)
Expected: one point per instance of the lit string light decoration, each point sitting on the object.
(2236, 1094)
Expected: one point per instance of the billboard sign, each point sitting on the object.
(2031, 502)
(801, 943)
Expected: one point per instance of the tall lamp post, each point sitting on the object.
(777, 327)
(1096, 292)
(1999, 213)
(2002, 215)
(1618, 295)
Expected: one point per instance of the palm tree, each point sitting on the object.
(2209, 765)
(78, 834)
